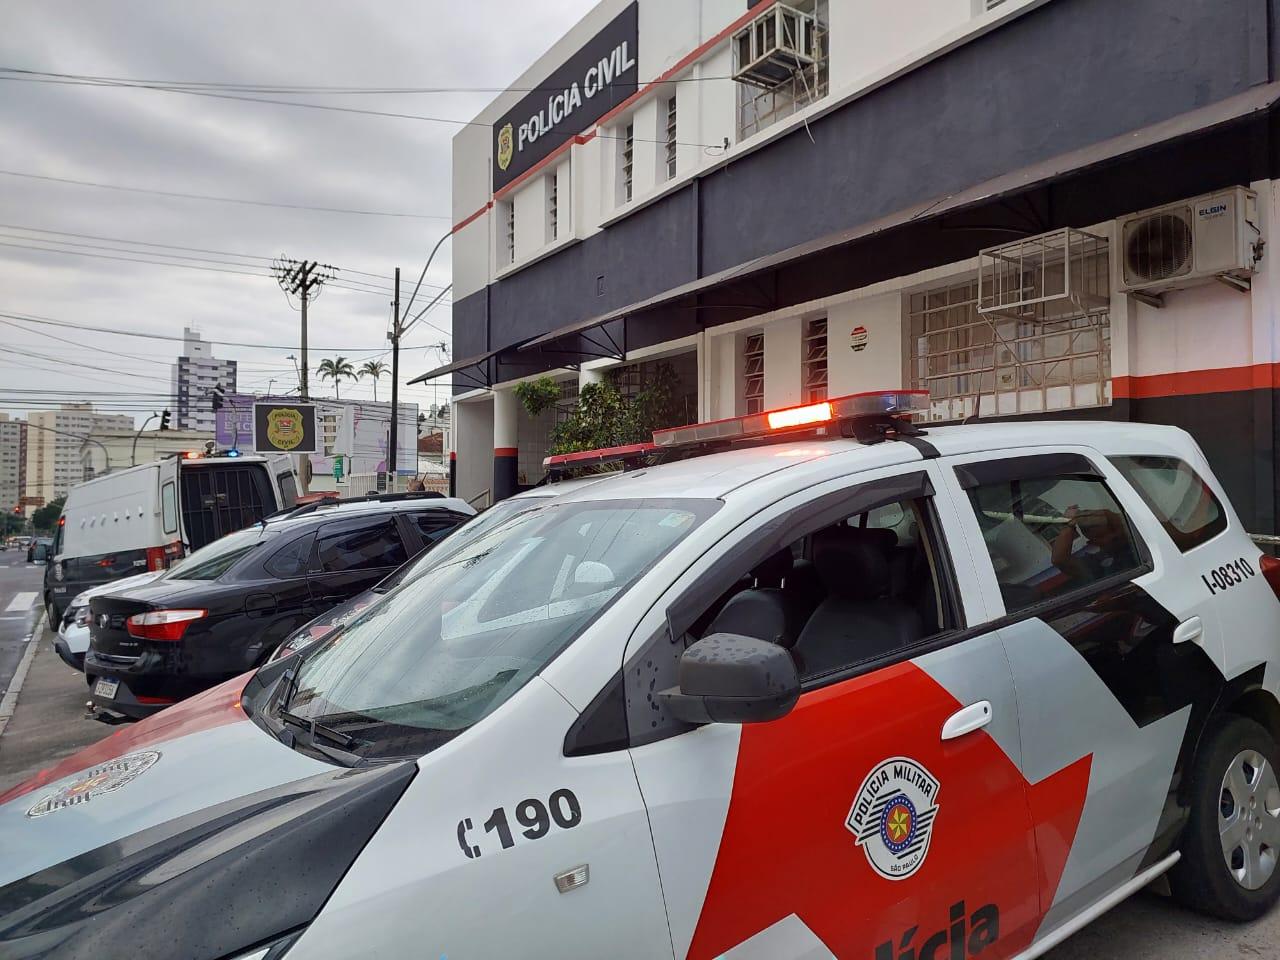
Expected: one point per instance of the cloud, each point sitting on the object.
(174, 142)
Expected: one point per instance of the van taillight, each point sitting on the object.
(161, 558)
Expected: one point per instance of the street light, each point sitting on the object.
(296, 371)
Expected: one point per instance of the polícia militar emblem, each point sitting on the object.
(892, 817)
(284, 428)
(95, 782)
(506, 146)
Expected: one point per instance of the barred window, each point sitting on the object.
(997, 365)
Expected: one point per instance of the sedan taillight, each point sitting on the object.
(162, 624)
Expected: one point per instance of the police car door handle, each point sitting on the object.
(971, 718)
(1189, 630)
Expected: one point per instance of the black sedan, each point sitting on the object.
(227, 607)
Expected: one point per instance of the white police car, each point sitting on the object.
(818, 686)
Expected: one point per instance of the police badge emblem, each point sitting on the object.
(506, 147)
(284, 428)
(892, 817)
(95, 782)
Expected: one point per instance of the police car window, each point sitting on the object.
(368, 547)
(866, 588)
(1176, 494)
(1050, 536)
(475, 624)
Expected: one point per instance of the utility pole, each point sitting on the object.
(394, 336)
(303, 279)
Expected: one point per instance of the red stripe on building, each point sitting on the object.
(506, 451)
(471, 219)
(1260, 376)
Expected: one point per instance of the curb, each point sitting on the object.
(10, 702)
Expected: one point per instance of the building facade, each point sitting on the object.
(791, 201)
(109, 450)
(13, 461)
(196, 375)
(54, 439)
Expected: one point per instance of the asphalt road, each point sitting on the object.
(19, 590)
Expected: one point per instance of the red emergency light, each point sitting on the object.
(896, 403)
(810, 418)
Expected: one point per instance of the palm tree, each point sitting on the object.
(335, 370)
(375, 369)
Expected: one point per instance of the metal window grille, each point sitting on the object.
(998, 365)
(815, 359)
(553, 212)
(628, 161)
(759, 109)
(753, 373)
(511, 231)
(671, 138)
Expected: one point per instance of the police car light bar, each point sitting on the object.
(897, 403)
(587, 458)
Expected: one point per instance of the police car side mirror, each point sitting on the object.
(726, 678)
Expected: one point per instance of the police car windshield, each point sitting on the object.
(476, 527)
(212, 561)
(441, 652)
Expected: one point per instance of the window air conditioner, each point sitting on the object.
(1213, 237)
(769, 50)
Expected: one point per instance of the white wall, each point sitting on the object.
(474, 439)
(782, 357)
(879, 366)
(869, 35)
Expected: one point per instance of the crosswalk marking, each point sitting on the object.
(20, 601)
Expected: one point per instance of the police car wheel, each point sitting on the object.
(1230, 866)
(52, 614)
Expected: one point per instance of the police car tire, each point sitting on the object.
(1201, 880)
(51, 612)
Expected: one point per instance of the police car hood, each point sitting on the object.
(196, 813)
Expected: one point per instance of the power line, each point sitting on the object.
(174, 246)
(49, 321)
(388, 114)
(299, 89)
(370, 289)
(202, 196)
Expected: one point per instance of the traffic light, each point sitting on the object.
(164, 420)
(18, 510)
(219, 395)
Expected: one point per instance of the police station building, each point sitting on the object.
(1029, 208)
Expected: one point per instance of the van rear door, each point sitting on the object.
(217, 497)
(284, 476)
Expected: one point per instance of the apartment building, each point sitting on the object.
(54, 439)
(13, 461)
(196, 374)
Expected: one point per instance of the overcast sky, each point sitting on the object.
(180, 143)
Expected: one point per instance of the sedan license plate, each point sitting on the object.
(106, 689)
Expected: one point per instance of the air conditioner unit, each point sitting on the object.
(1213, 237)
(769, 50)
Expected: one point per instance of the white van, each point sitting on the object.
(147, 516)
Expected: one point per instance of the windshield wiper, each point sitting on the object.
(317, 729)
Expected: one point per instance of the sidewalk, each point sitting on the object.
(48, 722)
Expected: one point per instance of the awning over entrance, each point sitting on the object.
(480, 371)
